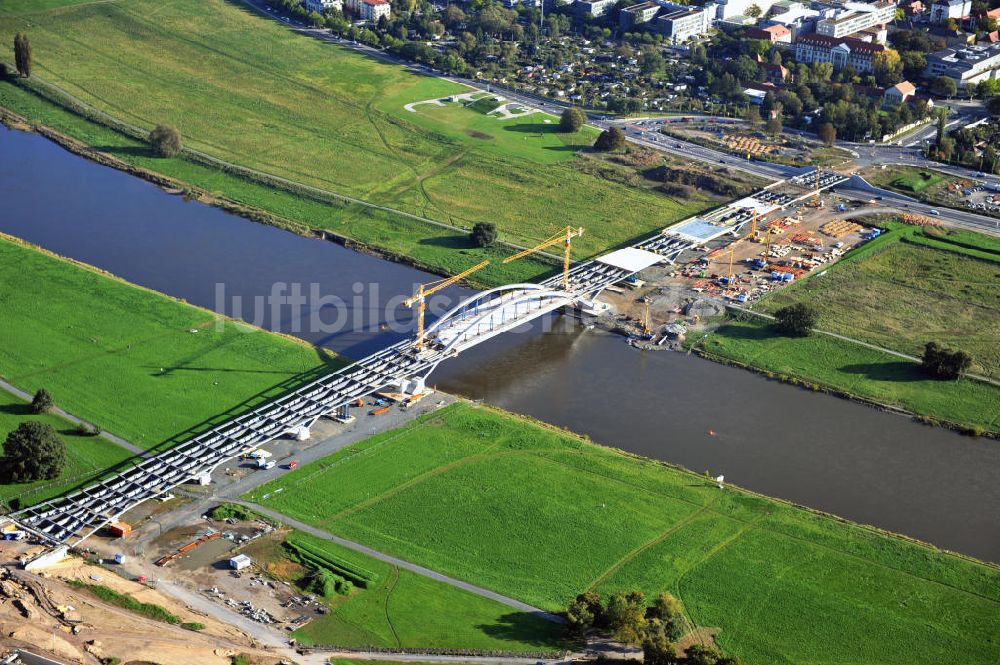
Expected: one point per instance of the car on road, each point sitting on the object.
(935, 212)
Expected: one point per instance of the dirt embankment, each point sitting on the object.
(43, 613)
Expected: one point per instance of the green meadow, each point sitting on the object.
(399, 608)
(251, 91)
(908, 287)
(541, 515)
(87, 457)
(911, 288)
(155, 375)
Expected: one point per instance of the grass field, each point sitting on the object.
(87, 457)
(917, 181)
(858, 371)
(902, 295)
(251, 91)
(542, 515)
(125, 358)
(403, 609)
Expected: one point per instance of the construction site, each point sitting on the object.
(738, 255)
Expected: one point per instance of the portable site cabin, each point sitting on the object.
(240, 561)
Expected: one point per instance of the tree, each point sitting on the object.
(753, 11)
(657, 649)
(34, 452)
(610, 139)
(827, 133)
(752, 117)
(943, 86)
(773, 126)
(888, 67)
(572, 120)
(944, 364)
(42, 401)
(166, 140)
(22, 54)
(993, 105)
(667, 610)
(484, 234)
(650, 60)
(625, 616)
(795, 320)
(580, 616)
(699, 654)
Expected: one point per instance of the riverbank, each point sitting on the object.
(147, 367)
(302, 212)
(494, 499)
(328, 121)
(909, 286)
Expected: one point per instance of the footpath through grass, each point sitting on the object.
(398, 608)
(139, 364)
(541, 515)
(251, 91)
(87, 457)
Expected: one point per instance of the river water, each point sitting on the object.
(813, 449)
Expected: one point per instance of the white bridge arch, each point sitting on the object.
(494, 311)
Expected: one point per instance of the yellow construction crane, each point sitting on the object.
(564, 237)
(753, 226)
(424, 290)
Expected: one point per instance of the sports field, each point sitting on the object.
(541, 515)
(87, 457)
(146, 367)
(399, 608)
(251, 91)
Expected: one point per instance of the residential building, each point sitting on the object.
(594, 8)
(681, 23)
(964, 65)
(322, 6)
(912, 8)
(772, 33)
(852, 17)
(840, 51)
(942, 10)
(373, 10)
(776, 75)
(639, 14)
(898, 94)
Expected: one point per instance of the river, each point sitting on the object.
(813, 449)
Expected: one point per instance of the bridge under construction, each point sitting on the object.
(403, 366)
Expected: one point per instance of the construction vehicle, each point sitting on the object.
(564, 237)
(424, 290)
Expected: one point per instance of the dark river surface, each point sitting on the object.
(813, 449)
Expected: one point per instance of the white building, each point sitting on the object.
(840, 51)
(680, 23)
(728, 9)
(322, 6)
(369, 10)
(240, 561)
(942, 10)
(970, 64)
(795, 16)
(639, 14)
(594, 8)
(854, 17)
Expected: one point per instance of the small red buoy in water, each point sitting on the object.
(711, 432)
